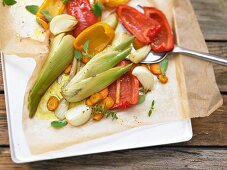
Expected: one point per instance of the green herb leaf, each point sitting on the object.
(77, 55)
(164, 66)
(141, 99)
(8, 2)
(151, 109)
(47, 15)
(32, 9)
(97, 9)
(86, 46)
(59, 124)
(64, 1)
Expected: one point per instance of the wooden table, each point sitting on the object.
(206, 150)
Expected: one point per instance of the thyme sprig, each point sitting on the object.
(151, 109)
(106, 112)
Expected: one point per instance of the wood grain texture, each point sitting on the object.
(219, 48)
(4, 138)
(1, 78)
(146, 158)
(212, 17)
(211, 130)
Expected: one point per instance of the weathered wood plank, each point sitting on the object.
(146, 158)
(1, 78)
(212, 17)
(208, 131)
(219, 48)
(4, 139)
(211, 130)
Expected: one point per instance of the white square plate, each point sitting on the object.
(16, 73)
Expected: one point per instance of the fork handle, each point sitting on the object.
(201, 55)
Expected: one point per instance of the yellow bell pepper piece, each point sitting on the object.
(99, 36)
(54, 7)
(114, 3)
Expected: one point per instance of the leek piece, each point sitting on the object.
(122, 41)
(141, 53)
(75, 92)
(111, 20)
(100, 63)
(60, 56)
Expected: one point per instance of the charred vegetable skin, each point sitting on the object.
(60, 56)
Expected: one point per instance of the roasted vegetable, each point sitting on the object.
(155, 69)
(62, 23)
(137, 44)
(60, 56)
(99, 63)
(97, 97)
(107, 103)
(74, 92)
(52, 103)
(68, 69)
(145, 77)
(49, 9)
(62, 109)
(78, 115)
(163, 78)
(99, 36)
(97, 116)
(122, 41)
(111, 20)
(124, 91)
(139, 54)
(81, 10)
(104, 93)
(114, 3)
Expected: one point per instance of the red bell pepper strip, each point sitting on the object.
(81, 9)
(124, 91)
(164, 40)
(141, 26)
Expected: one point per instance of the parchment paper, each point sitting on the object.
(15, 20)
(198, 76)
(190, 92)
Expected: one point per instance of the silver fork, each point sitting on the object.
(153, 57)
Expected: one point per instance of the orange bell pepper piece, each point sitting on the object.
(114, 3)
(99, 36)
(54, 7)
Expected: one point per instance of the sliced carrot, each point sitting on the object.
(68, 69)
(163, 78)
(155, 69)
(97, 116)
(85, 59)
(52, 103)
